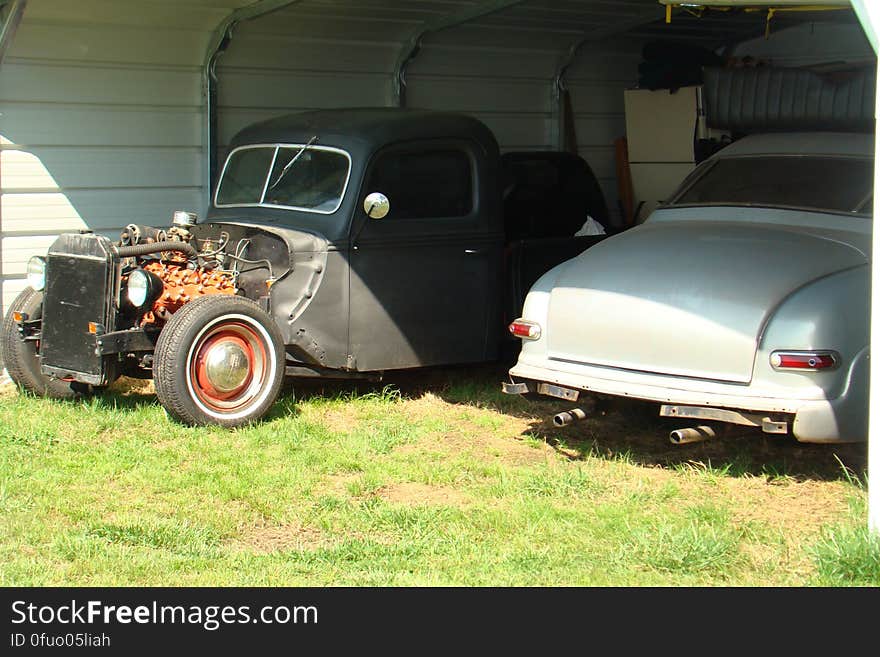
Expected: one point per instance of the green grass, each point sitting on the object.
(848, 554)
(459, 486)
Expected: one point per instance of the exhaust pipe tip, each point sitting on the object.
(691, 435)
(568, 417)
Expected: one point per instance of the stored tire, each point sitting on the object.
(21, 358)
(219, 360)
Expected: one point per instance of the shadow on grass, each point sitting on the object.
(626, 430)
(629, 430)
(132, 395)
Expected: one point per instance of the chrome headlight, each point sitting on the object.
(36, 273)
(143, 288)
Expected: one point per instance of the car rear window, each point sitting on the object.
(835, 184)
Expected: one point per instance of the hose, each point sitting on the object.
(156, 247)
(139, 234)
(253, 262)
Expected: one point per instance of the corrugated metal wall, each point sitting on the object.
(101, 101)
(100, 122)
(315, 55)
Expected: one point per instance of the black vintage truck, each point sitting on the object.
(338, 244)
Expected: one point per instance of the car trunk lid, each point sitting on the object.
(685, 299)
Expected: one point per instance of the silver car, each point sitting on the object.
(744, 299)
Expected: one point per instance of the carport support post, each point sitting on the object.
(218, 44)
(868, 12)
(619, 27)
(414, 43)
(10, 24)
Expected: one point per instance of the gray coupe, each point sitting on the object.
(744, 299)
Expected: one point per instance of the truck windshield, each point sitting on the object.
(274, 176)
(827, 183)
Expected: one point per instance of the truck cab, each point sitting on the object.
(403, 248)
(339, 243)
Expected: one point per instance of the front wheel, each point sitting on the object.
(219, 360)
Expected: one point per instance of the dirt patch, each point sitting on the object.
(278, 538)
(476, 432)
(335, 420)
(795, 508)
(7, 387)
(482, 446)
(414, 494)
(128, 386)
(339, 484)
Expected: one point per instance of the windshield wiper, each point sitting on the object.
(866, 202)
(292, 161)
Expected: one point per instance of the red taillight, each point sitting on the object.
(803, 360)
(525, 329)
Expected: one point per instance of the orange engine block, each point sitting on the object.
(183, 285)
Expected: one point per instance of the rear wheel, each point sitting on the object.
(21, 357)
(219, 360)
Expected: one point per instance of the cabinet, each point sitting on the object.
(661, 129)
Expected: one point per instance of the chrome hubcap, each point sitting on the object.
(226, 366)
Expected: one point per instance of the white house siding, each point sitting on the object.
(100, 120)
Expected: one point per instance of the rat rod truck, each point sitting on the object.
(339, 243)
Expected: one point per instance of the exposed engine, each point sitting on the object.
(164, 269)
(181, 285)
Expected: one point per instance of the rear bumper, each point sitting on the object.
(843, 419)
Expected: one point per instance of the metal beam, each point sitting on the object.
(618, 27)
(10, 24)
(642, 18)
(219, 42)
(414, 42)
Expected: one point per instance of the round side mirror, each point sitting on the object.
(376, 205)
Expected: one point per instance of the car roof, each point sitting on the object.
(802, 143)
(366, 127)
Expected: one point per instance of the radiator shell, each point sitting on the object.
(82, 285)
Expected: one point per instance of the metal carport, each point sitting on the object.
(113, 111)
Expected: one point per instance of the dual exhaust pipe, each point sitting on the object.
(677, 437)
(691, 435)
(569, 417)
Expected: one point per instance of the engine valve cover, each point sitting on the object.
(183, 285)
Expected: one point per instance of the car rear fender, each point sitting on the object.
(830, 313)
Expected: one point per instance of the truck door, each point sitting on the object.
(425, 278)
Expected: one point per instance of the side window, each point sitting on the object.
(424, 184)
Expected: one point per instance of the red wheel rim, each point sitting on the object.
(241, 388)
